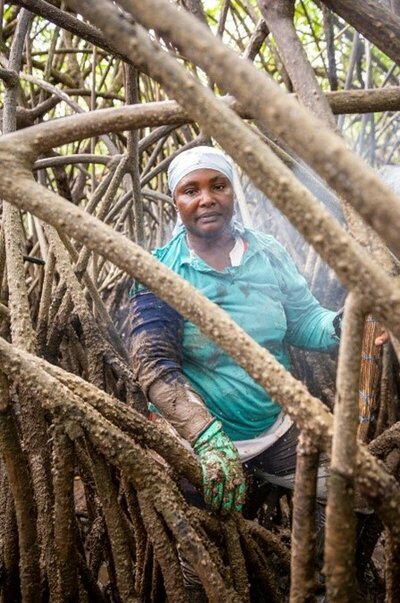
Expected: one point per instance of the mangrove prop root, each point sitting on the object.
(164, 550)
(118, 540)
(339, 564)
(260, 568)
(21, 490)
(302, 578)
(196, 554)
(64, 514)
(11, 584)
(236, 559)
(392, 569)
(139, 530)
(139, 466)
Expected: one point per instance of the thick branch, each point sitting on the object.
(302, 570)
(133, 164)
(279, 15)
(364, 101)
(374, 21)
(70, 23)
(340, 533)
(21, 488)
(64, 516)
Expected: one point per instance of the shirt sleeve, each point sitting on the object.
(156, 339)
(310, 326)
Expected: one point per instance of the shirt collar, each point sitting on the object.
(190, 258)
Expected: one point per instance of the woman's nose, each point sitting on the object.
(207, 197)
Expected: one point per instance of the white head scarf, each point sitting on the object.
(196, 159)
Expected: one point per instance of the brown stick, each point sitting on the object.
(392, 570)
(64, 516)
(340, 522)
(371, 380)
(164, 550)
(236, 558)
(20, 485)
(256, 41)
(140, 533)
(115, 526)
(44, 305)
(11, 586)
(374, 21)
(302, 569)
(133, 165)
(364, 101)
(279, 15)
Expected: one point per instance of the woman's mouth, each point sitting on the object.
(208, 217)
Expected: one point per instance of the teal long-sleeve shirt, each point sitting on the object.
(270, 300)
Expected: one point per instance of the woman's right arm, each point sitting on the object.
(157, 331)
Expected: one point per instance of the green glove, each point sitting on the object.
(223, 479)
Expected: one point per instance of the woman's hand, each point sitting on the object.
(337, 324)
(224, 485)
(382, 338)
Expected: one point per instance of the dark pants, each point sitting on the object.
(280, 459)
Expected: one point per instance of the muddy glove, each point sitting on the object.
(223, 479)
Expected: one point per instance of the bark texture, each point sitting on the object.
(90, 504)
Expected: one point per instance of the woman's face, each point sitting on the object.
(204, 200)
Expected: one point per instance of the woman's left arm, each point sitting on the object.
(310, 326)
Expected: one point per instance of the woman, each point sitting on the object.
(228, 419)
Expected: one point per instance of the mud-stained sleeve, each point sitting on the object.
(156, 348)
(156, 339)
